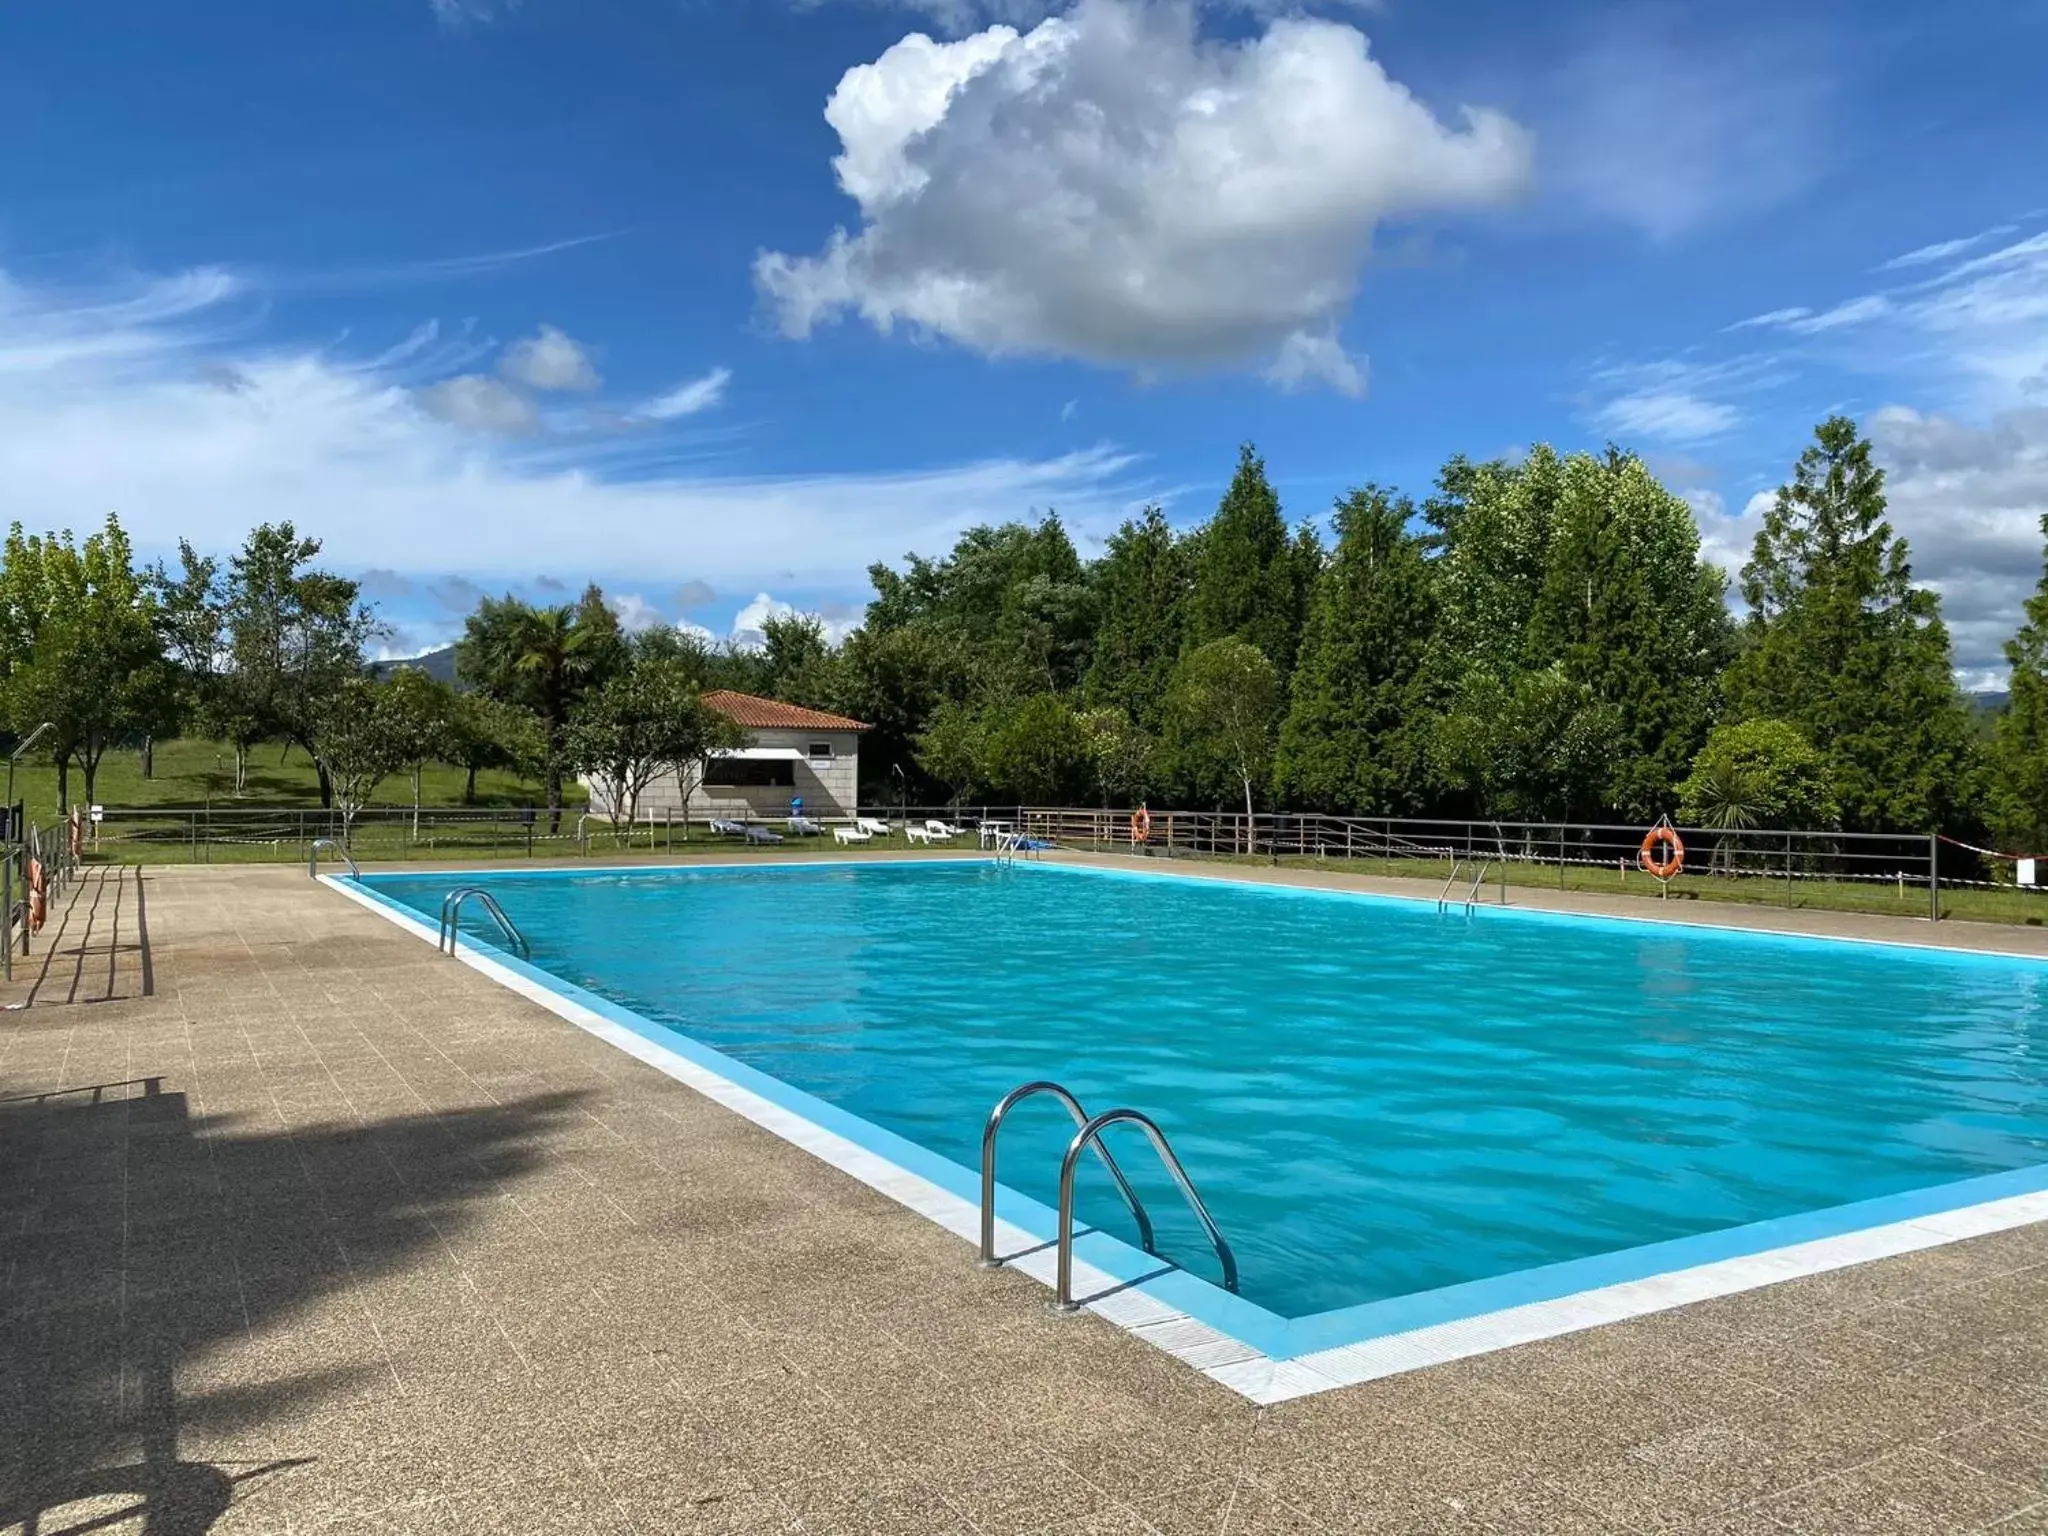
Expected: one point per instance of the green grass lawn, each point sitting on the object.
(195, 775)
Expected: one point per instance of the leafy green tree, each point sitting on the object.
(1037, 751)
(1120, 752)
(1756, 774)
(953, 749)
(1840, 643)
(2019, 738)
(543, 660)
(483, 732)
(1248, 577)
(1491, 528)
(1141, 591)
(1013, 602)
(82, 647)
(802, 666)
(641, 722)
(355, 745)
(896, 680)
(1629, 610)
(295, 637)
(1225, 702)
(1532, 746)
(419, 714)
(1356, 737)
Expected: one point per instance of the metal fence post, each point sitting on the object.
(1788, 871)
(1933, 878)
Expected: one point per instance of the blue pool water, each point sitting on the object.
(1375, 1099)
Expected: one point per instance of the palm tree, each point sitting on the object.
(543, 659)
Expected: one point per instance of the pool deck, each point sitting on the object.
(351, 1238)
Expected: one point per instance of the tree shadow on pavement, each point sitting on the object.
(135, 1239)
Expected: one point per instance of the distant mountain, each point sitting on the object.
(1989, 701)
(439, 665)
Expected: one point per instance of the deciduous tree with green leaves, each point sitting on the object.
(1757, 774)
(1224, 704)
(82, 649)
(641, 722)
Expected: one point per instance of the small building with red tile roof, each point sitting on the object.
(792, 756)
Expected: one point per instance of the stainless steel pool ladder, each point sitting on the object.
(1471, 896)
(313, 856)
(1089, 1134)
(451, 915)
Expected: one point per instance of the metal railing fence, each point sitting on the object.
(45, 850)
(1876, 871)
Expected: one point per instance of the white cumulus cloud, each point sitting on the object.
(748, 624)
(481, 404)
(552, 359)
(1113, 186)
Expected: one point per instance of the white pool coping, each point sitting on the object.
(1224, 1359)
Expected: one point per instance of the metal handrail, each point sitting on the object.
(313, 856)
(1443, 897)
(1472, 896)
(1063, 1295)
(451, 915)
(996, 1116)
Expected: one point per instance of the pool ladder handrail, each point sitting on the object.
(1471, 897)
(1090, 1135)
(313, 856)
(451, 915)
(996, 1117)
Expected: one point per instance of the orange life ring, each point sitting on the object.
(1141, 825)
(1665, 866)
(38, 906)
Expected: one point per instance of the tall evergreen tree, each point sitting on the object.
(1247, 584)
(1356, 734)
(1842, 644)
(1141, 589)
(2019, 741)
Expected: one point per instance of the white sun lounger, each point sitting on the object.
(918, 834)
(803, 826)
(938, 828)
(873, 825)
(844, 835)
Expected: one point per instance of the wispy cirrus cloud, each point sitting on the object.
(688, 399)
(138, 396)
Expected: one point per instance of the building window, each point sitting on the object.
(749, 773)
(821, 751)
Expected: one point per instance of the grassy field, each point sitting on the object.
(196, 775)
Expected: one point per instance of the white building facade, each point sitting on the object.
(792, 755)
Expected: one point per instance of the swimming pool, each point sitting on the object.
(1380, 1103)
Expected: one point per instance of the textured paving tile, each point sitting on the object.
(390, 1249)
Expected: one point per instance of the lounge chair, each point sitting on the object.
(760, 835)
(803, 826)
(855, 834)
(918, 834)
(725, 826)
(873, 825)
(938, 828)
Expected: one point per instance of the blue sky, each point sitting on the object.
(718, 302)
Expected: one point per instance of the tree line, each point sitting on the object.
(1532, 640)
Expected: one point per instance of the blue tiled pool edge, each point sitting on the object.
(1462, 1309)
